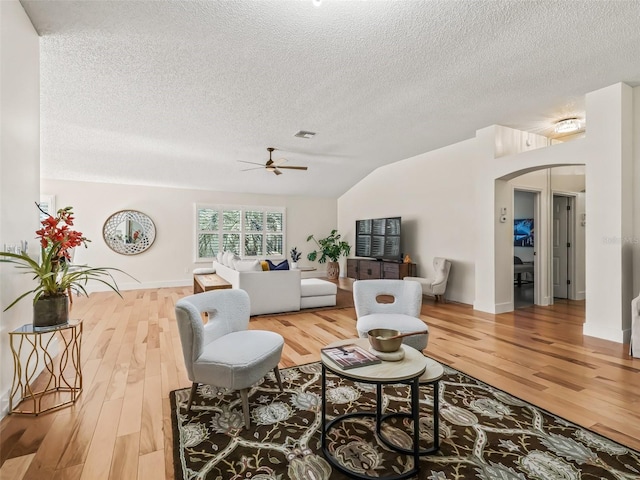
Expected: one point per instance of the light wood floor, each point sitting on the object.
(120, 427)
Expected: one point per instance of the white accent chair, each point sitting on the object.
(222, 352)
(634, 346)
(402, 315)
(435, 285)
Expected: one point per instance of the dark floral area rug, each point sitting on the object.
(485, 433)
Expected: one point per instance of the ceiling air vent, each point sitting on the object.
(305, 134)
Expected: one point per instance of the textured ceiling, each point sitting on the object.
(176, 93)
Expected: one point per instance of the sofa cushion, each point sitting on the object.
(265, 265)
(204, 271)
(284, 265)
(219, 257)
(228, 258)
(314, 287)
(247, 266)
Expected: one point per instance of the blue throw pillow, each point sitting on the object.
(284, 265)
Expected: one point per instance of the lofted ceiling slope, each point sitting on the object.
(176, 93)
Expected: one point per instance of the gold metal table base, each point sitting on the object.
(41, 381)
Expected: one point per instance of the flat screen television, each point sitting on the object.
(379, 238)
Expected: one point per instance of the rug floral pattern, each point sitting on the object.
(485, 434)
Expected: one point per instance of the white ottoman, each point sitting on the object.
(316, 293)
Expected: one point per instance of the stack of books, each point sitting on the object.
(350, 356)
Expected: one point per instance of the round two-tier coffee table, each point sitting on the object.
(414, 369)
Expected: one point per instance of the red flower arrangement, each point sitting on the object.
(60, 237)
(53, 273)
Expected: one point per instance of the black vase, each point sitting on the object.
(51, 311)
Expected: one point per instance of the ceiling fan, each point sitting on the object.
(273, 165)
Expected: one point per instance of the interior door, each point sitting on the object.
(561, 246)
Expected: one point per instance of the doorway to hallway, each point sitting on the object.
(563, 245)
(524, 247)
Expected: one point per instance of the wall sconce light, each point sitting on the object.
(568, 125)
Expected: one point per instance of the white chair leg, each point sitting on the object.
(244, 393)
(276, 372)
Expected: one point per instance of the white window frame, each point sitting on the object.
(243, 231)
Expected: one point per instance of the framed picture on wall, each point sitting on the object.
(523, 232)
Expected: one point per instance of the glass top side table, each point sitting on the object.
(44, 379)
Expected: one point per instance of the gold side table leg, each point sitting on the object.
(40, 365)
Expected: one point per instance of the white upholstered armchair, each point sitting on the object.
(222, 352)
(634, 347)
(436, 284)
(402, 315)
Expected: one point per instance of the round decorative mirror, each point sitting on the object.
(129, 232)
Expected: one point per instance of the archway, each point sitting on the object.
(540, 251)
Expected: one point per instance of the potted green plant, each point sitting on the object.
(54, 276)
(330, 248)
(295, 256)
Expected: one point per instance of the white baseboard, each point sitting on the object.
(626, 335)
(142, 285)
(503, 307)
(613, 334)
(493, 308)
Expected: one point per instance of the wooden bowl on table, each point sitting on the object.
(380, 341)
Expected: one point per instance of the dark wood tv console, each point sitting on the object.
(367, 269)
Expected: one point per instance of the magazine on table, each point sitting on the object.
(350, 356)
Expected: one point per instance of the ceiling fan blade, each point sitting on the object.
(277, 172)
(252, 163)
(280, 161)
(254, 168)
(292, 167)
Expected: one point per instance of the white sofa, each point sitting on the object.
(269, 292)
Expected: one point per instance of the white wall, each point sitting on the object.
(635, 240)
(609, 203)
(432, 193)
(435, 191)
(510, 141)
(19, 168)
(170, 260)
(605, 151)
(568, 179)
(547, 181)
